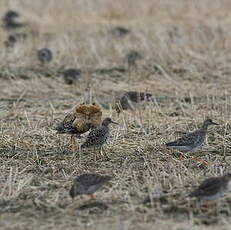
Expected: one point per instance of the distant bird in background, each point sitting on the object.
(120, 31)
(192, 141)
(44, 55)
(212, 188)
(79, 120)
(132, 57)
(12, 39)
(99, 136)
(71, 76)
(9, 20)
(130, 100)
(88, 184)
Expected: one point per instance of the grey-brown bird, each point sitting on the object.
(71, 76)
(130, 100)
(132, 57)
(100, 135)
(14, 38)
(192, 141)
(120, 31)
(10, 20)
(88, 184)
(44, 55)
(212, 188)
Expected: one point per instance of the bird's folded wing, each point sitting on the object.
(188, 139)
(209, 187)
(98, 132)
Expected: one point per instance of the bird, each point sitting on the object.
(9, 22)
(132, 57)
(88, 183)
(212, 188)
(99, 136)
(44, 55)
(79, 120)
(192, 141)
(12, 39)
(120, 31)
(71, 76)
(130, 99)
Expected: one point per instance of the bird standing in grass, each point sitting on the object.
(192, 141)
(71, 76)
(132, 57)
(44, 55)
(130, 100)
(80, 120)
(212, 188)
(10, 20)
(120, 31)
(99, 136)
(88, 184)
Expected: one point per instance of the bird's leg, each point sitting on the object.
(95, 154)
(101, 151)
(98, 153)
(93, 197)
(104, 153)
(73, 144)
(201, 161)
(208, 205)
(71, 140)
(181, 157)
(80, 153)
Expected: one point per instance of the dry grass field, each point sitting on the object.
(186, 65)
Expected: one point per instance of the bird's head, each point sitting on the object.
(208, 122)
(108, 121)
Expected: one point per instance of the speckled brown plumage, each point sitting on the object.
(98, 136)
(190, 142)
(88, 183)
(193, 140)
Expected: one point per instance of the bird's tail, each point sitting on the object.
(170, 144)
(194, 194)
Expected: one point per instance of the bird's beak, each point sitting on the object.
(114, 122)
(213, 123)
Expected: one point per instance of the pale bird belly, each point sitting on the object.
(183, 148)
(92, 189)
(189, 148)
(213, 197)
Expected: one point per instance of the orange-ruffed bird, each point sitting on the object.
(79, 120)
